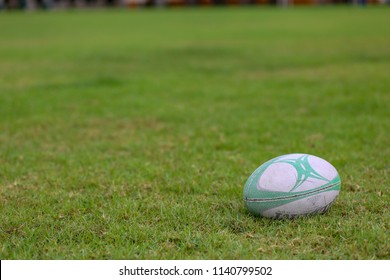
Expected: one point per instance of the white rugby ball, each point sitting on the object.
(292, 185)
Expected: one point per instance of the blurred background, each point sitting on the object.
(63, 4)
(129, 132)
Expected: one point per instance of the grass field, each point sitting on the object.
(130, 134)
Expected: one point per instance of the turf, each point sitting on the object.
(130, 134)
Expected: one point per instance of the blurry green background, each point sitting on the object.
(130, 134)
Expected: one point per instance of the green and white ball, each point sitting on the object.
(292, 185)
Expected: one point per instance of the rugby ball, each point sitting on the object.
(292, 185)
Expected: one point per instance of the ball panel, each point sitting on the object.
(310, 184)
(273, 200)
(319, 203)
(278, 177)
(322, 167)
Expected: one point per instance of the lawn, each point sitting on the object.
(129, 134)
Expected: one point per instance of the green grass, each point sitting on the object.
(130, 134)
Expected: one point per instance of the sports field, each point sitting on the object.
(130, 134)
